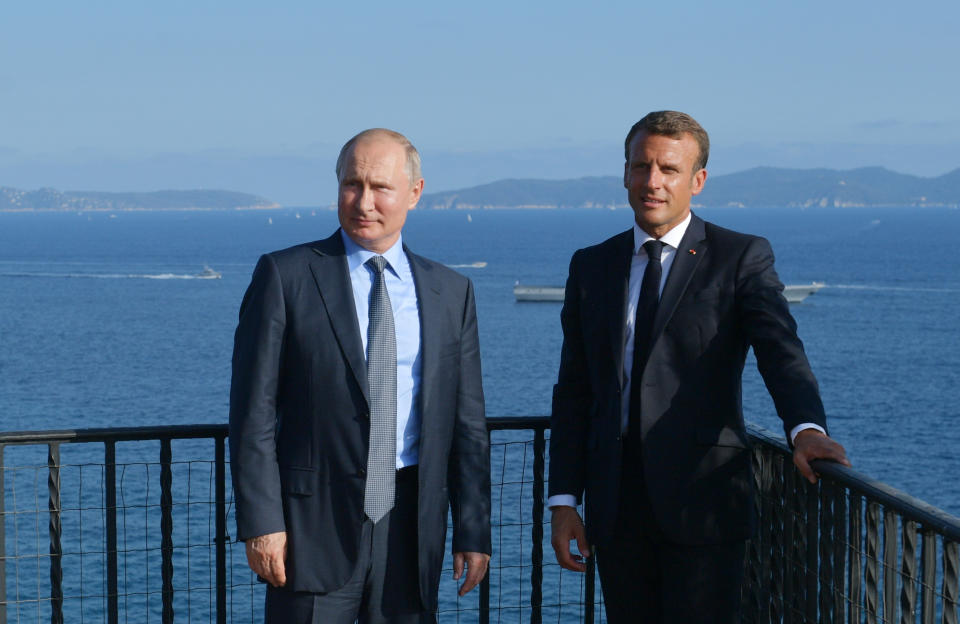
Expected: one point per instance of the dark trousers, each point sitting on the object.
(649, 579)
(384, 587)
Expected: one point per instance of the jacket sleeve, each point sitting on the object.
(571, 397)
(468, 475)
(257, 352)
(772, 332)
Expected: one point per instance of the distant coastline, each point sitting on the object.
(762, 187)
(52, 200)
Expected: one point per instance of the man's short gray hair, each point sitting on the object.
(412, 165)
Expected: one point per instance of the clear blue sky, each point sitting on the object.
(124, 95)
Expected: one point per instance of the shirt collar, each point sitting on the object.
(357, 255)
(672, 238)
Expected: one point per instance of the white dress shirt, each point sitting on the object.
(406, 321)
(638, 265)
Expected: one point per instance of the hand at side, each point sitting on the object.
(476, 569)
(266, 555)
(566, 525)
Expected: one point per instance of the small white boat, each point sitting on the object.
(795, 293)
(208, 273)
(538, 293)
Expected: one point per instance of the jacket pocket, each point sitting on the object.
(298, 480)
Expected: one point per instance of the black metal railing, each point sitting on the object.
(846, 548)
(88, 546)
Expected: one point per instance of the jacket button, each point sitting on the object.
(362, 472)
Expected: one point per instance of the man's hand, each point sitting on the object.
(810, 444)
(566, 525)
(476, 569)
(266, 555)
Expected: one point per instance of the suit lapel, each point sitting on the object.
(330, 272)
(689, 254)
(430, 305)
(617, 287)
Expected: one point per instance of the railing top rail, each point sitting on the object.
(495, 423)
(908, 506)
(106, 434)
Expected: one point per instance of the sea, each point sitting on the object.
(106, 319)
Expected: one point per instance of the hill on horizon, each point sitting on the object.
(757, 187)
(52, 200)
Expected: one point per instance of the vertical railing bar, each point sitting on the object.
(777, 556)
(484, 615)
(812, 526)
(166, 530)
(928, 577)
(3, 538)
(56, 548)
(826, 549)
(951, 581)
(908, 573)
(590, 580)
(536, 554)
(855, 555)
(590, 590)
(872, 571)
(762, 587)
(890, 570)
(220, 469)
(791, 561)
(110, 483)
(839, 551)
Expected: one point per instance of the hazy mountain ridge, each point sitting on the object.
(758, 187)
(52, 200)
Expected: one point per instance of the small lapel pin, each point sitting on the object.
(693, 252)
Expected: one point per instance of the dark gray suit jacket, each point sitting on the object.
(299, 416)
(721, 297)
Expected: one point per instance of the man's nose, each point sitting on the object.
(365, 200)
(654, 178)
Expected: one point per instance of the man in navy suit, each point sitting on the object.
(306, 424)
(647, 418)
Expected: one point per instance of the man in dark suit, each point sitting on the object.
(647, 416)
(357, 413)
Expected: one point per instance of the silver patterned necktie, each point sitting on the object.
(378, 494)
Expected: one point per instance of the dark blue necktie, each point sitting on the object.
(643, 326)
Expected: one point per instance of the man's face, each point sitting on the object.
(660, 180)
(375, 193)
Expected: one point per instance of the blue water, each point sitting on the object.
(102, 322)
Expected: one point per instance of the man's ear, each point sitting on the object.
(699, 179)
(415, 193)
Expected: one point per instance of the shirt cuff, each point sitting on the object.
(801, 427)
(562, 500)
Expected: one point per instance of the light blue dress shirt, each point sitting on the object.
(406, 321)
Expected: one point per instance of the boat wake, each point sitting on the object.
(470, 265)
(153, 276)
(892, 288)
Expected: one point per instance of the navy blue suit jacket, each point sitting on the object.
(721, 297)
(299, 416)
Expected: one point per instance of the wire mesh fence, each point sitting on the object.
(134, 525)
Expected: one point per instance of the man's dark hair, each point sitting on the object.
(672, 124)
